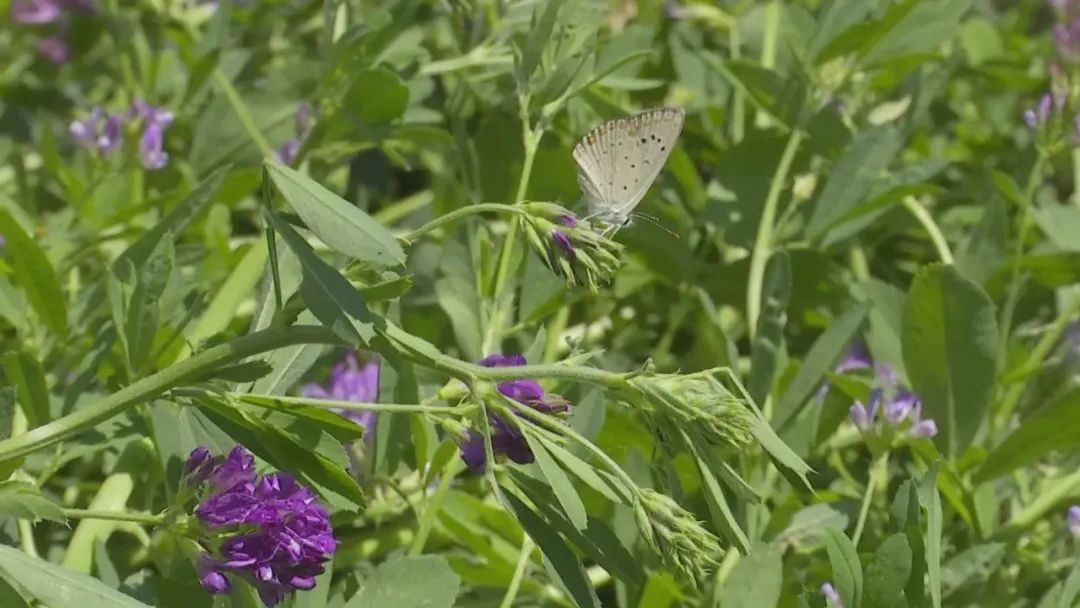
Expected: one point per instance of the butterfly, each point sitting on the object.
(618, 161)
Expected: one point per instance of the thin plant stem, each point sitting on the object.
(396, 408)
(431, 510)
(457, 214)
(1051, 495)
(527, 547)
(878, 472)
(151, 386)
(1038, 354)
(125, 516)
(242, 113)
(1013, 294)
(763, 243)
(931, 228)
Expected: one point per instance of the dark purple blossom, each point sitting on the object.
(568, 219)
(350, 381)
(269, 531)
(506, 438)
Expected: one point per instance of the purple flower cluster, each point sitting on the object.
(1067, 29)
(104, 133)
(1072, 520)
(268, 531)
(506, 438)
(53, 47)
(350, 381)
(897, 405)
(288, 150)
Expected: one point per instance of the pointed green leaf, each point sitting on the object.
(35, 274)
(847, 570)
(950, 346)
(25, 501)
(423, 581)
(560, 484)
(53, 585)
(337, 222)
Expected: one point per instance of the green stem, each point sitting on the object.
(763, 244)
(1052, 494)
(431, 510)
(125, 516)
(1038, 354)
(153, 385)
(242, 113)
(457, 214)
(524, 557)
(1013, 293)
(878, 473)
(398, 408)
(496, 320)
(931, 227)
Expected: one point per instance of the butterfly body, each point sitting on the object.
(618, 161)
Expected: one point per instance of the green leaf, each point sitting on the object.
(377, 96)
(35, 274)
(769, 338)
(560, 484)
(931, 499)
(143, 309)
(53, 585)
(423, 581)
(836, 16)
(847, 570)
(175, 222)
(1053, 428)
(789, 463)
(1071, 588)
(539, 37)
(853, 177)
(564, 564)
(981, 41)
(972, 567)
(950, 347)
(24, 372)
(608, 486)
(338, 223)
(723, 518)
(329, 296)
(25, 501)
(7, 413)
(825, 352)
(755, 582)
(887, 573)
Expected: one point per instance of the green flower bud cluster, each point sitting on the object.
(698, 402)
(573, 249)
(677, 537)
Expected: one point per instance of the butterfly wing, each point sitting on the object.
(642, 147)
(595, 165)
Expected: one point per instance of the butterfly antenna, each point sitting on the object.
(655, 222)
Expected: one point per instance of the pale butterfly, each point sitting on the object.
(620, 159)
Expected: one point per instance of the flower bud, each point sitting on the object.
(678, 538)
(570, 247)
(697, 402)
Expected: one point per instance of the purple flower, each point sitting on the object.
(110, 134)
(1073, 520)
(863, 416)
(506, 438)
(269, 531)
(287, 152)
(559, 238)
(349, 381)
(856, 357)
(97, 131)
(32, 12)
(1030, 119)
(150, 114)
(151, 147)
(568, 219)
(921, 428)
(831, 595)
(900, 406)
(54, 48)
